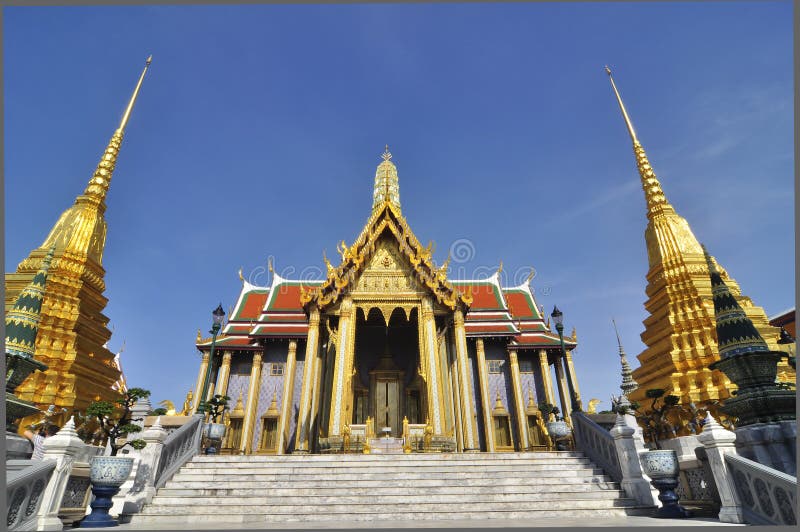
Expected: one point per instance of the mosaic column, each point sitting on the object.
(572, 377)
(288, 393)
(561, 380)
(301, 441)
(431, 351)
(252, 403)
(201, 377)
(340, 377)
(459, 426)
(516, 384)
(469, 430)
(316, 399)
(224, 373)
(483, 380)
(547, 380)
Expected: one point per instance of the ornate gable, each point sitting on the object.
(386, 258)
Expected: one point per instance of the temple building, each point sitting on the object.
(680, 330)
(386, 344)
(73, 332)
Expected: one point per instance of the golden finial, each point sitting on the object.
(500, 267)
(327, 262)
(269, 265)
(498, 403)
(241, 277)
(574, 334)
(199, 336)
(530, 276)
(126, 116)
(531, 403)
(100, 181)
(386, 155)
(622, 107)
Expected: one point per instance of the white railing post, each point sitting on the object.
(63, 449)
(143, 488)
(635, 483)
(719, 442)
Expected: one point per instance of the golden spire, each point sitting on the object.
(387, 187)
(98, 185)
(656, 201)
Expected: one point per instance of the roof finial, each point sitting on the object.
(628, 384)
(631, 132)
(387, 187)
(386, 154)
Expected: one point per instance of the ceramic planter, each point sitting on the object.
(663, 468)
(660, 464)
(558, 429)
(214, 431)
(107, 474)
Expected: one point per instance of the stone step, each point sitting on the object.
(195, 481)
(234, 506)
(235, 489)
(247, 476)
(393, 471)
(339, 458)
(369, 464)
(165, 520)
(271, 499)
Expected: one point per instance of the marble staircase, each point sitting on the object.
(285, 489)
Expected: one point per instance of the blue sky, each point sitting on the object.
(258, 130)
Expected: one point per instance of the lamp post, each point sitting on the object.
(558, 318)
(217, 316)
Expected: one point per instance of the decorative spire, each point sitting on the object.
(628, 384)
(98, 185)
(387, 186)
(736, 334)
(22, 321)
(656, 201)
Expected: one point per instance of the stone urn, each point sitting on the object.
(214, 432)
(558, 430)
(107, 474)
(663, 468)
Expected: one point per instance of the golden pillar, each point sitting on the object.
(519, 405)
(201, 377)
(288, 393)
(301, 440)
(339, 368)
(483, 380)
(342, 367)
(224, 373)
(547, 380)
(572, 376)
(561, 380)
(316, 397)
(431, 352)
(252, 404)
(459, 426)
(470, 431)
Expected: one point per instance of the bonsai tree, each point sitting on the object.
(215, 407)
(654, 421)
(546, 409)
(158, 412)
(116, 426)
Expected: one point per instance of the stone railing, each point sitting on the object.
(597, 443)
(767, 496)
(178, 448)
(26, 481)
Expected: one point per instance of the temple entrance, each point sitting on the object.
(387, 386)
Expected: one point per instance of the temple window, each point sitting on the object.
(525, 366)
(269, 435)
(495, 366)
(276, 369)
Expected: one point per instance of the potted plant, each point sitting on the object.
(214, 431)
(108, 473)
(557, 428)
(661, 465)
